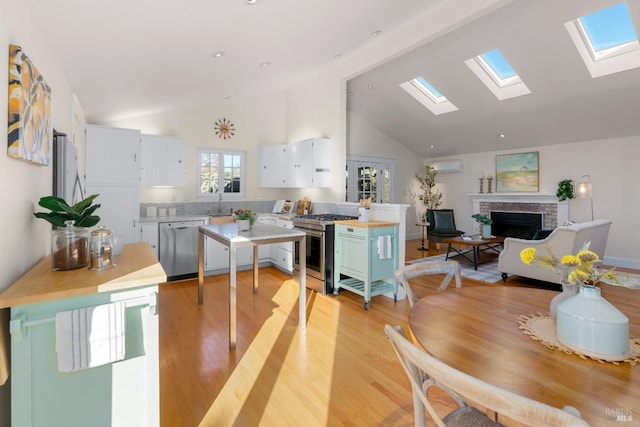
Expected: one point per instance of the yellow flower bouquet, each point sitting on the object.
(577, 269)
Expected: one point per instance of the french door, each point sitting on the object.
(368, 178)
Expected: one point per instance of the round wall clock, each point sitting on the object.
(224, 128)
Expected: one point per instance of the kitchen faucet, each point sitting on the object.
(219, 202)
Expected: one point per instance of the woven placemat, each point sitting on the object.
(542, 328)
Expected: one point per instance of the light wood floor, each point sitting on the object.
(341, 371)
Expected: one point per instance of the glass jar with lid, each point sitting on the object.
(101, 249)
(69, 247)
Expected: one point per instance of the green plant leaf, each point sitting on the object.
(84, 204)
(81, 213)
(52, 203)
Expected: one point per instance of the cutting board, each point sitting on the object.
(301, 205)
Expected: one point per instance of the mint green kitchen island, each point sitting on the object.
(365, 258)
(122, 393)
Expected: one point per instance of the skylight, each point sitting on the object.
(426, 94)
(494, 60)
(606, 40)
(429, 90)
(609, 28)
(498, 75)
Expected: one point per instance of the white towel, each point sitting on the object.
(384, 247)
(90, 337)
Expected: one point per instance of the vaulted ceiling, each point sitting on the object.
(125, 58)
(131, 57)
(565, 104)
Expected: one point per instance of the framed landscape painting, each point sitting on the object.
(517, 172)
(30, 133)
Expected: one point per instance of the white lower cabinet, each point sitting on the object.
(217, 256)
(279, 254)
(150, 234)
(282, 256)
(119, 209)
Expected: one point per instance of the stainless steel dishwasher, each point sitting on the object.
(178, 248)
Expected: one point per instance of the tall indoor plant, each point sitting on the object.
(70, 240)
(429, 196)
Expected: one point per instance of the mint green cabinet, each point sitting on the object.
(359, 267)
(124, 393)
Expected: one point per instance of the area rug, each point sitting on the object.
(487, 271)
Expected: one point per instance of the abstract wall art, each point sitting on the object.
(30, 133)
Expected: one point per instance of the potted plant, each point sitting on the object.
(429, 196)
(244, 218)
(486, 224)
(70, 239)
(565, 190)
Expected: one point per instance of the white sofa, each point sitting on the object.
(563, 240)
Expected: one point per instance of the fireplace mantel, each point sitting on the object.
(518, 198)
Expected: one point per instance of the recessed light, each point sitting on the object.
(369, 86)
(265, 64)
(349, 93)
(375, 33)
(218, 54)
(432, 146)
(502, 135)
(252, 2)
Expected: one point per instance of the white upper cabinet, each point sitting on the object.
(162, 162)
(272, 165)
(321, 162)
(112, 155)
(302, 164)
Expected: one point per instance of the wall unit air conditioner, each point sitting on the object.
(447, 166)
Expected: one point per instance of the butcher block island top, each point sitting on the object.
(370, 224)
(136, 266)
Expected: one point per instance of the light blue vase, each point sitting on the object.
(568, 290)
(589, 324)
(486, 231)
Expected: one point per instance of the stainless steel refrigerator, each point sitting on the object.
(66, 181)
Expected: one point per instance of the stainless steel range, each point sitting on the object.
(320, 235)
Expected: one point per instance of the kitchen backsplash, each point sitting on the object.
(225, 207)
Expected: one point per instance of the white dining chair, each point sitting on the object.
(425, 371)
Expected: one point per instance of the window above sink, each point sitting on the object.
(221, 175)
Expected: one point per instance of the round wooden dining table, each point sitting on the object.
(475, 329)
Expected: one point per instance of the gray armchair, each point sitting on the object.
(442, 225)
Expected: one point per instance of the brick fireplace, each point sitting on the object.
(555, 213)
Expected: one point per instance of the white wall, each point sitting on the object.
(259, 121)
(612, 166)
(364, 139)
(25, 239)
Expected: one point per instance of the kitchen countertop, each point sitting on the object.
(136, 266)
(370, 224)
(156, 219)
